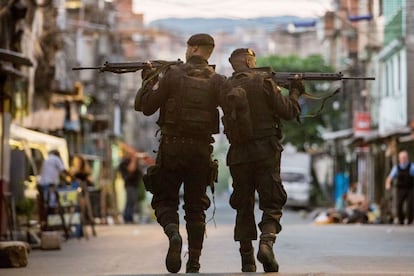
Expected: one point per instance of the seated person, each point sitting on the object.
(81, 171)
(356, 205)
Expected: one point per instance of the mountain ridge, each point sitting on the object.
(219, 24)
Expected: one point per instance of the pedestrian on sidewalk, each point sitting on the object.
(187, 96)
(130, 169)
(81, 170)
(403, 172)
(253, 110)
(52, 172)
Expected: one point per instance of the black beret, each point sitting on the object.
(201, 39)
(242, 51)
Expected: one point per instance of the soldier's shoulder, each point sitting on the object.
(240, 75)
(219, 77)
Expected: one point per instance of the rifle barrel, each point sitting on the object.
(358, 78)
(315, 76)
(86, 68)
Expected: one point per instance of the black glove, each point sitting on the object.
(147, 73)
(297, 87)
(149, 76)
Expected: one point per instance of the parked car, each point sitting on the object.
(298, 187)
(295, 172)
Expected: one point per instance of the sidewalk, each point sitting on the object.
(302, 249)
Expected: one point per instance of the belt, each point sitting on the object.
(170, 139)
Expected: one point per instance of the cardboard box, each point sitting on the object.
(50, 240)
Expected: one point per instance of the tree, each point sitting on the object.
(317, 115)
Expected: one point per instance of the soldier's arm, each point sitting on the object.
(286, 107)
(138, 99)
(220, 88)
(151, 97)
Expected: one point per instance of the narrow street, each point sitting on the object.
(302, 248)
(87, 84)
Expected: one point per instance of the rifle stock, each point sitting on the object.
(127, 67)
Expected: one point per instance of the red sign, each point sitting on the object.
(362, 122)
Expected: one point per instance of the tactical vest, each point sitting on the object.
(258, 119)
(191, 109)
(404, 179)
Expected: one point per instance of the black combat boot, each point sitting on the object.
(195, 232)
(265, 254)
(248, 261)
(193, 263)
(247, 256)
(173, 259)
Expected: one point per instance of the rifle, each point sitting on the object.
(284, 78)
(310, 76)
(127, 67)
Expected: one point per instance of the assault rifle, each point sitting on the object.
(311, 76)
(307, 76)
(127, 67)
(284, 79)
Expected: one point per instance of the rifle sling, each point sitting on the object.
(156, 72)
(324, 99)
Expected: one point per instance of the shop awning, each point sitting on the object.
(48, 142)
(339, 134)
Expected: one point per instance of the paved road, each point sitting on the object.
(302, 248)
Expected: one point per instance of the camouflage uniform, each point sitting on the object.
(187, 98)
(254, 101)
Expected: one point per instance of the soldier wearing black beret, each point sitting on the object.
(253, 107)
(201, 39)
(187, 97)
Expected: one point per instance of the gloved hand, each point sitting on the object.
(147, 72)
(149, 75)
(297, 87)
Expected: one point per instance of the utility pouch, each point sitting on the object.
(237, 121)
(151, 178)
(239, 130)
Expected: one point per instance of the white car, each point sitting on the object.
(298, 186)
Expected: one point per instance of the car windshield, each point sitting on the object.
(292, 177)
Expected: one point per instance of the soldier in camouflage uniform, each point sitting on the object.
(187, 96)
(253, 107)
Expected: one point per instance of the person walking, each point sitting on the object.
(131, 172)
(403, 172)
(81, 172)
(253, 109)
(187, 96)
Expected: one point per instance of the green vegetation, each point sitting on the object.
(316, 115)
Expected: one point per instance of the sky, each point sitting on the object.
(234, 9)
